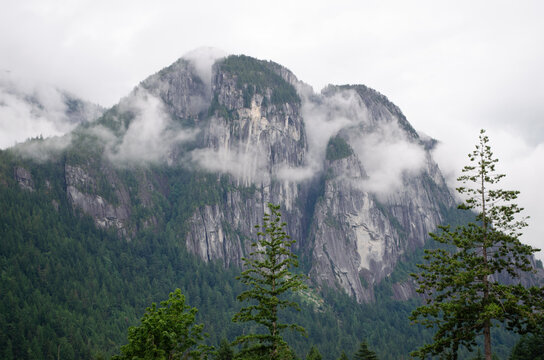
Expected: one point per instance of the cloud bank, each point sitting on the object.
(387, 156)
(383, 148)
(149, 138)
(247, 162)
(203, 59)
(28, 110)
(44, 149)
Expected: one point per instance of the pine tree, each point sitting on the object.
(269, 280)
(225, 351)
(314, 354)
(478, 355)
(364, 353)
(460, 279)
(343, 356)
(165, 332)
(529, 347)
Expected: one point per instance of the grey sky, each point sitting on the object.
(452, 66)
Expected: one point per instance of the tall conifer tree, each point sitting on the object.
(460, 280)
(268, 276)
(364, 353)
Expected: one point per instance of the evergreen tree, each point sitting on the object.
(478, 355)
(529, 347)
(460, 279)
(364, 353)
(343, 356)
(269, 280)
(313, 354)
(225, 351)
(167, 332)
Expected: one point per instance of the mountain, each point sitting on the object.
(166, 187)
(358, 186)
(350, 198)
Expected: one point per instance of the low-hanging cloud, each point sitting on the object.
(324, 117)
(380, 144)
(151, 135)
(387, 156)
(247, 163)
(29, 110)
(43, 149)
(203, 59)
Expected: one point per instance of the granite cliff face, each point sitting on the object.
(83, 193)
(249, 135)
(360, 230)
(355, 235)
(357, 185)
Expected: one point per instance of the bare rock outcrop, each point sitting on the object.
(24, 178)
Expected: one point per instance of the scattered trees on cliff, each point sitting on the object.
(464, 297)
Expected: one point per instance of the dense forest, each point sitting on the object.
(72, 290)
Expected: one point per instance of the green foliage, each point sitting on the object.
(479, 355)
(269, 280)
(529, 347)
(115, 119)
(167, 332)
(463, 296)
(225, 351)
(254, 76)
(221, 110)
(364, 353)
(314, 354)
(343, 356)
(338, 148)
(70, 288)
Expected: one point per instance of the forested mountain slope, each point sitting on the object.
(164, 191)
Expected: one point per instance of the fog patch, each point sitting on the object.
(295, 174)
(150, 136)
(387, 156)
(202, 59)
(29, 110)
(42, 150)
(382, 147)
(324, 117)
(248, 163)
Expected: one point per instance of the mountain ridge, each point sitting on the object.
(264, 134)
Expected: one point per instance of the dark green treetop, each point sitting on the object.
(529, 347)
(314, 354)
(269, 279)
(338, 148)
(364, 353)
(460, 279)
(166, 332)
(225, 351)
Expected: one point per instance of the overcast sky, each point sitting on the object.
(453, 67)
